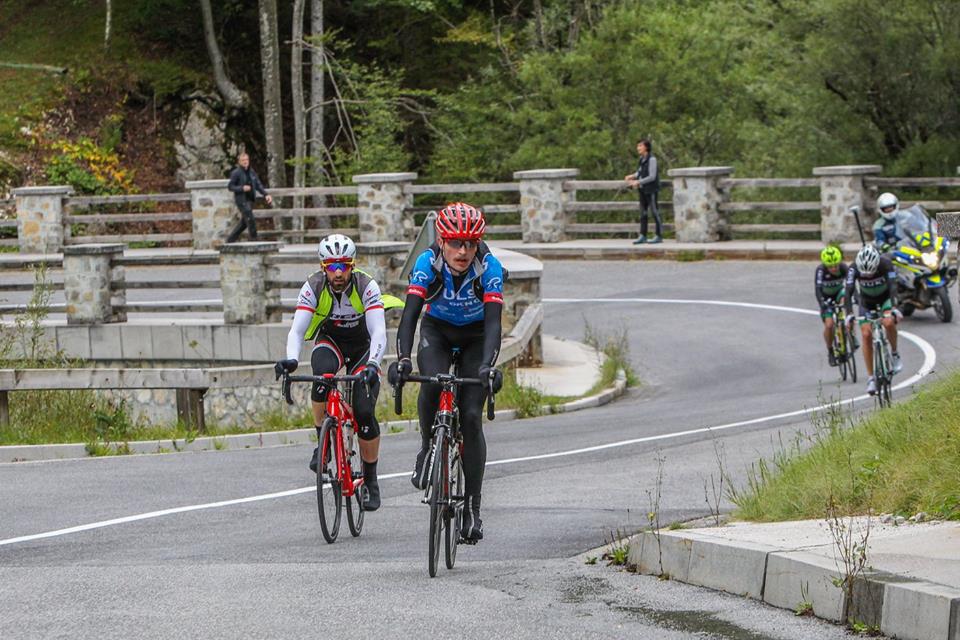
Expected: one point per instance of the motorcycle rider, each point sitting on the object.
(888, 230)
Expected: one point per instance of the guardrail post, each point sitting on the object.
(94, 284)
(190, 409)
(697, 204)
(543, 212)
(214, 212)
(4, 409)
(244, 274)
(842, 187)
(380, 203)
(40, 218)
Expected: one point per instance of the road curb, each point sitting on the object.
(29, 453)
(900, 606)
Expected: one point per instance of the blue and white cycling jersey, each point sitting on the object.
(484, 278)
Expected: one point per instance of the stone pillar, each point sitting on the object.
(543, 211)
(381, 200)
(383, 261)
(214, 212)
(842, 187)
(244, 276)
(40, 218)
(948, 225)
(93, 283)
(697, 202)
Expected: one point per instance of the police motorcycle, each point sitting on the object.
(924, 271)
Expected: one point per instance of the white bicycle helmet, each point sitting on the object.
(888, 205)
(337, 246)
(868, 259)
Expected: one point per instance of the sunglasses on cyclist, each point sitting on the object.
(458, 244)
(338, 265)
(888, 209)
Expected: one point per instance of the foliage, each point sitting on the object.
(88, 167)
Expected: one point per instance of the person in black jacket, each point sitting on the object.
(646, 180)
(245, 184)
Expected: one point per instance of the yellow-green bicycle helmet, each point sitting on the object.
(831, 256)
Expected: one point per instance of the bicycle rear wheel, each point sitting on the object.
(329, 493)
(452, 516)
(355, 503)
(437, 499)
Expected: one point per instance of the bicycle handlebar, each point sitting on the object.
(326, 380)
(444, 378)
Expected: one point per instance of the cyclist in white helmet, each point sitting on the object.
(877, 281)
(341, 310)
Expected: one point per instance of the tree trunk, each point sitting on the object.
(318, 63)
(538, 17)
(272, 108)
(299, 125)
(232, 96)
(106, 27)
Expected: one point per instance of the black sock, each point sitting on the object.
(370, 471)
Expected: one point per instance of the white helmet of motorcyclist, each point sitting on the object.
(888, 205)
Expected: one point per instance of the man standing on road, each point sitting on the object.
(646, 180)
(245, 184)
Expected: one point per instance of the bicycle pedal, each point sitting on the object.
(469, 541)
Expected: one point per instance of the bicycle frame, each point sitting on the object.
(341, 413)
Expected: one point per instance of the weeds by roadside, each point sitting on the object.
(900, 460)
(615, 346)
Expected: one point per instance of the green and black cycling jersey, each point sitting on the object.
(877, 290)
(830, 287)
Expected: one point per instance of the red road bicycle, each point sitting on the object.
(339, 468)
(444, 492)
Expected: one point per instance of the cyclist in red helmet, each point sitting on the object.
(461, 284)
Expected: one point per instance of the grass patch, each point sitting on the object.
(615, 346)
(695, 255)
(901, 460)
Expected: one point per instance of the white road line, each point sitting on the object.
(929, 361)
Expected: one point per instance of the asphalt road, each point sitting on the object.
(262, 569)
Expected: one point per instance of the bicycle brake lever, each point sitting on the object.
(286, 389)
(491, 412)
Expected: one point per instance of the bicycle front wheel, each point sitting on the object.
(437, 499)
(840, 349)
(851, 355)
(329, 491)
(452, 515)
(354, 502)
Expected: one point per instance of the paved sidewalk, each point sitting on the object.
(600, 249)
(909, 589)
(672, 250)
(569, 368)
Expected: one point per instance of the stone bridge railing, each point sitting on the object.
(185, 368)
(705, 204)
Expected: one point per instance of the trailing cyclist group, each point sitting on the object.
(899, 240)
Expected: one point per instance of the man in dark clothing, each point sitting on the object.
(245, 185)
(646, 180)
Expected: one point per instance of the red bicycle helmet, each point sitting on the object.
(461, 221)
